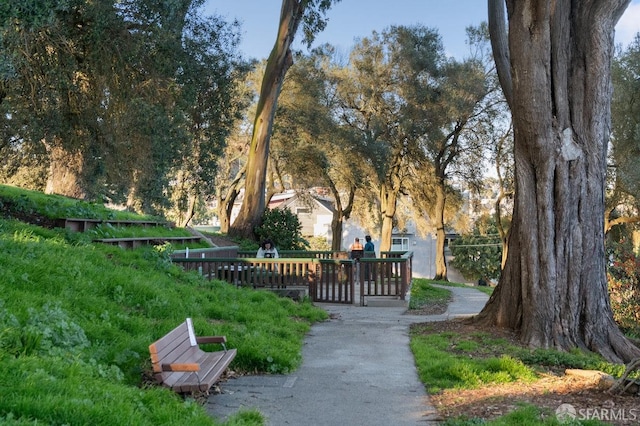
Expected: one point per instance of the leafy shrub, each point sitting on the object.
(479, 254)
(47, 331)
(283, 228)
(319, 244)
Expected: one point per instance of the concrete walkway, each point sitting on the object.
(357, 369)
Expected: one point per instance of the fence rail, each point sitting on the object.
(327, 278)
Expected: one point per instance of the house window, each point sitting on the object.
(399, 244)
(303, 210)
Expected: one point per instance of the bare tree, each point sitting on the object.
(553, 288)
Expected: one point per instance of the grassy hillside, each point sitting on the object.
(76, 320)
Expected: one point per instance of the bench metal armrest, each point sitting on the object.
(212, 339)
(181, 367)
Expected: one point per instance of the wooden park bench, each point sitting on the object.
(180, 364)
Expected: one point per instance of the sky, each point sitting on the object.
(351, 19)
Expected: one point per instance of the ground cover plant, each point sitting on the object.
(479, 376)
(76, 320)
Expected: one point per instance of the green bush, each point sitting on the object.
(283, 228)
(478, 254)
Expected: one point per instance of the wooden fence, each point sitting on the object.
(327, 276)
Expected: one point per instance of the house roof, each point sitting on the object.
(322, 204)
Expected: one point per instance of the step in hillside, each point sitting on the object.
(134, 242)
(83, 224)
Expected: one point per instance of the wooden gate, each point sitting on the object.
(334, 282)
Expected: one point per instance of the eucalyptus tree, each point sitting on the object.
(293, 13)
(308, 139)
(555, 71)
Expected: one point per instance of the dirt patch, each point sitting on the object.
(550, 392)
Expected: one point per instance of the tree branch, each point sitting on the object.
(500, 47)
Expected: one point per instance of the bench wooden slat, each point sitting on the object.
(179, 363)
(212, 366)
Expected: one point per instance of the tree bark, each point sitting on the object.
(388, 205)
(441, 236)
(279, 61)
(340, 213)
(553, 289)
(65, 173)
(225, 208)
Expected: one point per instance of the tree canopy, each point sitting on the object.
(109, 99)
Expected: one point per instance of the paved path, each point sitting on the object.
(357, 370)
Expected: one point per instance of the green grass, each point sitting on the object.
(55, 206)
(450, 360)
(76, 320)
(485, 289)
(443, 362)
(111, 231)
(422, 293)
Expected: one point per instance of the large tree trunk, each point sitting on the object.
(553, 289)
(225, 208)
(340, 213)
(65, 172)
(388, 205)
(337, 223)
(279, 61)
(441, 236)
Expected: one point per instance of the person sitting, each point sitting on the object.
(267, 250)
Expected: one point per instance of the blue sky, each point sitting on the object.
(350, 19)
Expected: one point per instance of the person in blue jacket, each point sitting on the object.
(368, 246)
